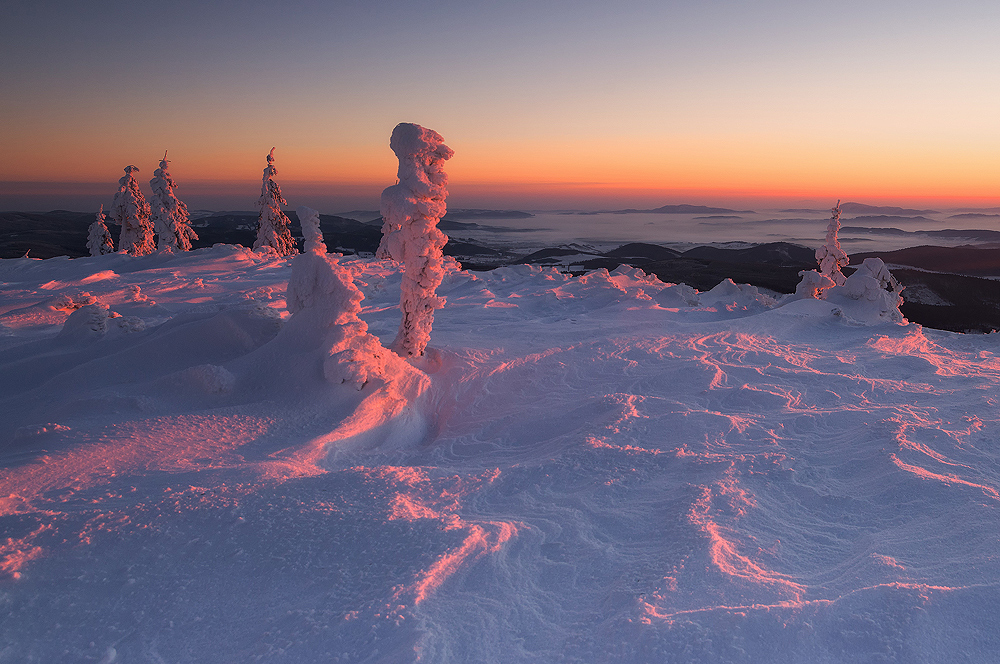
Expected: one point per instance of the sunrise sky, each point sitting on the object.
(546, 104)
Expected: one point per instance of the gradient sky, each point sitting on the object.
(546, 104)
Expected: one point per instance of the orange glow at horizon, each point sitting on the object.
(762, 165)
(715, 168)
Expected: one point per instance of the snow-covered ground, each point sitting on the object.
(598, 469)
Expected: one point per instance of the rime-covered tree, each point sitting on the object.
(325, 304)
(170, 215)
(99, 237)
(272, 224)
(311, 233)
(131, 210)
(411, 211)
(830, 256)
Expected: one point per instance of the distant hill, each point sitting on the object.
(676, 209)
(487, 214)
(968, 260)
(854, 208)
(888, 218)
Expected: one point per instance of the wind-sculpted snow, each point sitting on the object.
(601, 468)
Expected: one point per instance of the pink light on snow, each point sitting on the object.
(418, 496)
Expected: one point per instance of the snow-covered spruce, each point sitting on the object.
(99, 237)
(272, 224)
(131, 210)
(411, 210)
(830, 256)
(170, 215)
(322, 297)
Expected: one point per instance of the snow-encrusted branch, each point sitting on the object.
(272, 224)
(411, 211)
(131, 210)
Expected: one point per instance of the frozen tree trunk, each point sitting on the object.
(170, 216)
(272, 224)
(411, 211)
(131, 210)
(830, 256)
(99, 238)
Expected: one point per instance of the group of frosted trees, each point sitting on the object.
(164, 222)
(322, 295)
(320, 288)
(165, 225)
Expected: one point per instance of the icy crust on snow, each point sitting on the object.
(411, 210)
(601, 468)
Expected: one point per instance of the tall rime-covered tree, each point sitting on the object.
(170, 215)
(272, 224)
(411, 211)
(131, 210)
(99, 237)
(830, 256)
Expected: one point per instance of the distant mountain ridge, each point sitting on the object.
(855, 208)
(682, 208)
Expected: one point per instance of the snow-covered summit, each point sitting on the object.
(598, 468)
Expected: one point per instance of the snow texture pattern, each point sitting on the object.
(411, 211)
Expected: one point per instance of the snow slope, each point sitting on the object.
(598, 469)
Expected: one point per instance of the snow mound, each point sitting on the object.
(863, 296)
(325, 303)
(737, 298)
